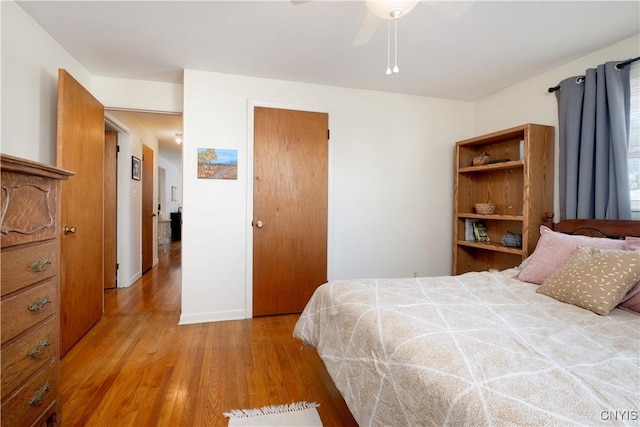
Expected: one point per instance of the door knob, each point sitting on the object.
(259, 224)
(66, 229)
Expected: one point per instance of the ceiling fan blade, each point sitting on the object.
(454, 9)
(368, 27)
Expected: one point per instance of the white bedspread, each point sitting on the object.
(477, 349)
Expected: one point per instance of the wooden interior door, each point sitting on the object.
(110, 208)
(80, 148)
(148, 212)
(290, 193)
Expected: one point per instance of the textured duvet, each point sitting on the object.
(476, 349)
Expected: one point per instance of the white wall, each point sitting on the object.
(530, 102)
(30, 61)
(128, 94)
(390, 189)
(173, 178)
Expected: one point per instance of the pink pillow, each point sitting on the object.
(632, 243)
(631, 301)
(554, 250)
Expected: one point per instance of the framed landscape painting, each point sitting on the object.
(217, 163)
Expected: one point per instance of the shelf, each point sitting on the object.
(490, 246)
(493, 166)
(517, 133)
(493, 217)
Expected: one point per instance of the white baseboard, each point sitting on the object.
(131, 280)
(211, 316)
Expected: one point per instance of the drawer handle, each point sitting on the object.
(40, 265)
(38, 305)
(39, 347)
(36, 398)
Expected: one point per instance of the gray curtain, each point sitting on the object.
(594, 135)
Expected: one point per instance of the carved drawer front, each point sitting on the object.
(27, 209)
(23, 357)
(26, 265)
(25, 309)
(27, 404)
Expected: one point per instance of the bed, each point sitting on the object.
(488, 348)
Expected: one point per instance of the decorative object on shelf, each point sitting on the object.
(490, 162)
(481, 159)
(480, 232)
(511, 240)
(485, 208)
(468, 230)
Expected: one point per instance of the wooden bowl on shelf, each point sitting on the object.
(480, 160)
(485, 208)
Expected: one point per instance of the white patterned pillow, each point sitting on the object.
(595, 279)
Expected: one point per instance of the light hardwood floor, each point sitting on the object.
(138, 367)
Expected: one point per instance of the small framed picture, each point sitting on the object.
(136, 168)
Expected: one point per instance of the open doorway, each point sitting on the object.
(156, 131)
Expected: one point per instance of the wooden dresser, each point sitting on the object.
(29, 283)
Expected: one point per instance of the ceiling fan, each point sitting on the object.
(392, 10)
(378, 10)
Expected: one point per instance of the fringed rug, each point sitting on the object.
(294, 414)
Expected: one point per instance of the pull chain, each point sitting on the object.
(395, 46)
(395, 14)
(388, 48)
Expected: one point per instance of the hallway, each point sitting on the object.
(138, 367)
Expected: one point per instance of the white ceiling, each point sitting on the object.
(491, 46)
(165, 127)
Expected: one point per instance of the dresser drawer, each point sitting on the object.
(25, 265)
(30, 401)
(25, 309)
(23, 357)
(28, 208)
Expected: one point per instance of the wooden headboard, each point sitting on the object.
(611, 228)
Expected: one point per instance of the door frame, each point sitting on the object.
(250, 145)
(111, 204)
(123, 137)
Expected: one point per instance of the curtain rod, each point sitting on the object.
(619, 66)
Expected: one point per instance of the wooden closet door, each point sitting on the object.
(290, 192)
(148, 210)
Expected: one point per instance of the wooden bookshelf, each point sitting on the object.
(521, 186)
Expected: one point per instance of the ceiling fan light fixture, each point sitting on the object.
(390, 9)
